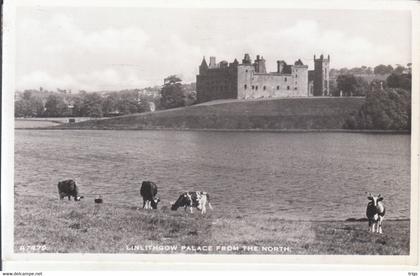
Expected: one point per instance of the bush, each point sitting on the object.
(385, 109)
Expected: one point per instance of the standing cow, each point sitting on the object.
(148, 191)
(192, 199)
(68, 188)
(375, 213)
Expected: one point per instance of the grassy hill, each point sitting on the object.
(285, 113)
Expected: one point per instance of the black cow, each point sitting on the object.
(193, 199)
(375, 213)
(148, 191)
(68, 188)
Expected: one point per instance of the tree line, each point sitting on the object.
(380, 69)
(352, 85)
(41, 103)
(62, 103)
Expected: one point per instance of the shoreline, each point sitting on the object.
(373, 131)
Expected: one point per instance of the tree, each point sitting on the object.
(56, 107)
(385, 108)
(383, 69)
(172, 93)
(20, 108)
(92, 105)
(110, 103)
(29, 105)
(333, 88)
(351, 85)
(128, 102)
(399, 69)
(399, 81)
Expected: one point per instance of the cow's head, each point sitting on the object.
(375, 199)
(155, 202)
(78, 198)
(183, 200)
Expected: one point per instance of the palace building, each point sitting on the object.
(250, 80)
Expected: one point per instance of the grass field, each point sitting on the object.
(51, 225)
(285, 113)
(26, 123)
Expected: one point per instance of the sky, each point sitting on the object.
(104, 48)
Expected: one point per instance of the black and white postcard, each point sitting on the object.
(209, 132)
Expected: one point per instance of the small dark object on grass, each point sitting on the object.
(383, 242)
(75, 226)
(99, 200)
(193, 233)
(72, 120)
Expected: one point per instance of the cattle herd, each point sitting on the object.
(148, 191)
(375, 210)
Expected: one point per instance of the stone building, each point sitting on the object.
(319, 78)
(250, 80)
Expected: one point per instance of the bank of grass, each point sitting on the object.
(45, 122)
(83, 227)
(273, 114)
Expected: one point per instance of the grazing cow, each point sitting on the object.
(375, 213)
(148, 191)
(68, 188)
(193, 199)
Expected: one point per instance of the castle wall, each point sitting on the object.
(218, 83)
(252, 85)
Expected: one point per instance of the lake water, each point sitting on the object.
(299, 176)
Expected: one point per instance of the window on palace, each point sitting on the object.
(264, 87)
(256, 87)
(278, 87)
(252, 87)
(285, 79)
(245, 86)
(288, 87)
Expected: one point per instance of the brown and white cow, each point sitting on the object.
(191, 200)
(68, 188)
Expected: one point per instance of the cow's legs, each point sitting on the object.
(372, 226)
(191, 209)
(379, 230)
(69, 197)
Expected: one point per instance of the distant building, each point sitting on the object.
(319, 78)
(250, 80)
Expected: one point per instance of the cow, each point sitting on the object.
(148, 191)
(192, 199)
(375, 213)
(68, 188)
